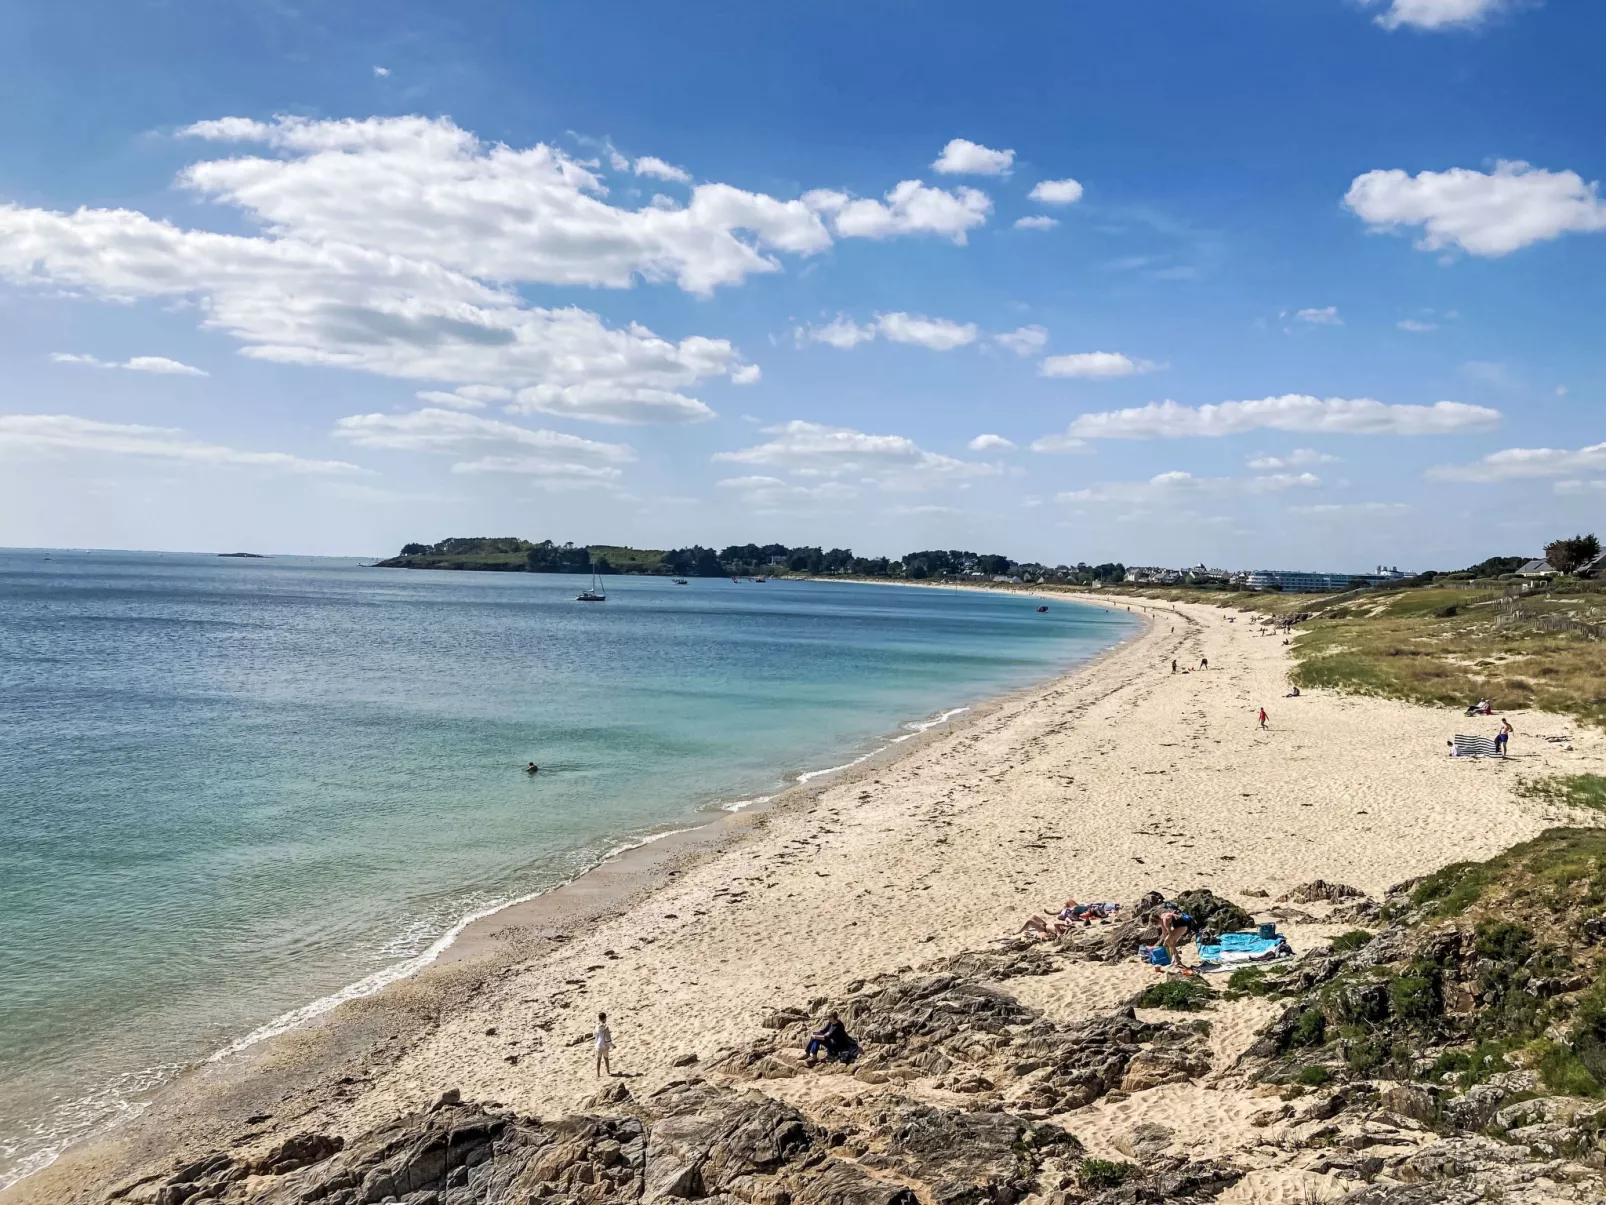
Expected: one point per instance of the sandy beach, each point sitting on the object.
(1120, 778)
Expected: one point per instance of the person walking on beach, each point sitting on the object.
(1503, 736)
(1262, 717)
(604, 1044)
(1173, 665)
(1204, 662)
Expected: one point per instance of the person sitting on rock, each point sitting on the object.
(833, 1040)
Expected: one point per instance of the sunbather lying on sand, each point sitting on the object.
(1068, 917)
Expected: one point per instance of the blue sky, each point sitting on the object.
(1308, 284)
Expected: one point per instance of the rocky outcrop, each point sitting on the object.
(1446, 1057)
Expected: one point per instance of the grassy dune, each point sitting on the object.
(1453, 644)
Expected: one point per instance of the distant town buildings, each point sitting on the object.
(1294, 581)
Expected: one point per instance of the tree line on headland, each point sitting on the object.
(737, 560)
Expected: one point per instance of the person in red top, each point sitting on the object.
(1262, 717)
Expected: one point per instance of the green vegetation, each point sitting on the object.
(1310, 1029)
(1559, 869)
(1570, 790)
(1344, 943)
(737, 560)
(1248, 981)
(1096, 1175)
(1448, 639)
(1177, 993)
(1489, 968)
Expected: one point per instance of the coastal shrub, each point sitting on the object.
(1098, 1174)
(1248, 981)
(1453, 889)
(1310, 1029)
(1177, 993)
(1418, 994)
(1503, 941)
(1314, 1076)
(1345, 943)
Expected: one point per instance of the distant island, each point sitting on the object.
(255, 556)
(514, 555)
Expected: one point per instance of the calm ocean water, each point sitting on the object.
(230, 788)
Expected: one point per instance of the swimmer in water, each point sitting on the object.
(532, 768)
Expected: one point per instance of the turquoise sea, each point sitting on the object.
(232, 788)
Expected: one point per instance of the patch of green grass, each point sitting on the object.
(1471, 1067)
(1314, 1076)
(1177, 993)
(1555, 869)
(1248, 981)
(1541, 648)
(1567, 790)
(1353, 940)
(1099, 1174)
(1561, 1070)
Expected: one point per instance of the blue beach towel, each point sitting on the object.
(1239, 948)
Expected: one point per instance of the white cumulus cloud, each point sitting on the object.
(394, 245)
(487, 445)
(1036, 221)
(1440, 14)
(1094, 366)
(1326, 316)
(1177, 485)
(68, 433)
(961, 157)
(1483, 213)
(1057, 192)
(990, 443)
(156, 364)
(938, 334)
(853, 458)
(651, 165)
(1294, 459)
(1516, 463)
(910, 208)
(1291, 412)
(1416, 325)
(1059, 443)
(1024, 340)
(840, 332)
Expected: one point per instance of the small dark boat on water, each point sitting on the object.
(1040, 610)
(595, 593)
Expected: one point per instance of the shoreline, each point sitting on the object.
(1115, 779)
(604, 890)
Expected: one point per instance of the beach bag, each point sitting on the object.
(1157, 956)
(1268, 930)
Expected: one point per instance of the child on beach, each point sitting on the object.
(604, 1044)
(1262, 717)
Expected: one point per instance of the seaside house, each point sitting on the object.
(1540, 568)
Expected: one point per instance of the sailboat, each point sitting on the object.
(595, 593)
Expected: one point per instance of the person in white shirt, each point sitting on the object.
(604, 1044)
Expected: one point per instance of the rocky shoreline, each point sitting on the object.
(965, 1095)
